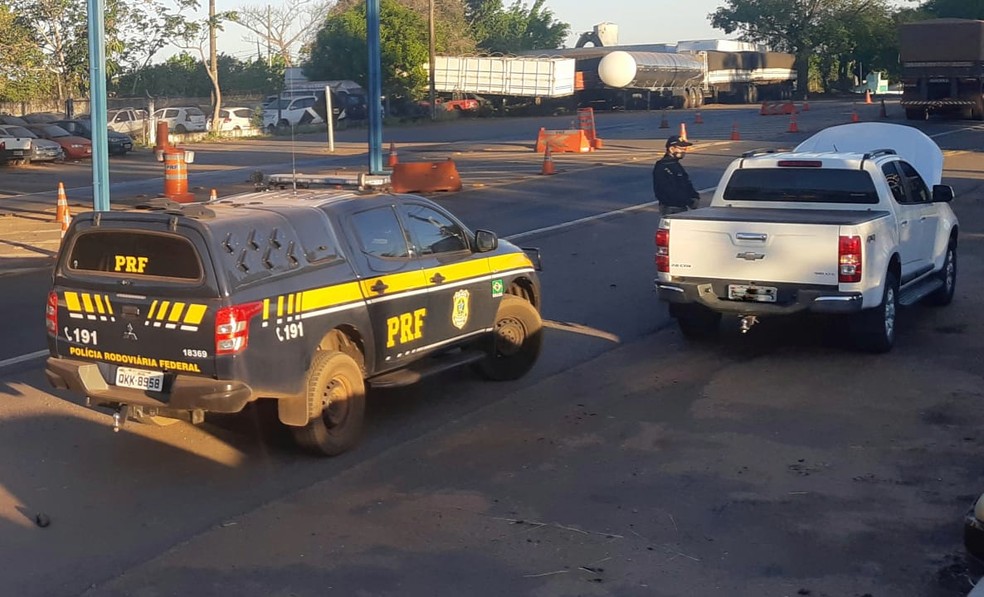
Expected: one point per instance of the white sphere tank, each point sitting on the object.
(617, 69)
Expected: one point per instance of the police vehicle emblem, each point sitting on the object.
(459, 311)
(128, 334)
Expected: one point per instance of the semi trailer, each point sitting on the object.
(942, 68)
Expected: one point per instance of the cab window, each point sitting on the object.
(380, 233)
(135, 254)
(918, 191)
(433, 232)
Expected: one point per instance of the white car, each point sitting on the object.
(289, 112)
(186, 119)
(234, 120)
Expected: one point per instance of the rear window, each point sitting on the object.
(135, 254)
(804, 185)
(194, 112)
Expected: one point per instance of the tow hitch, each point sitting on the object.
(746, 323)
(119, 417)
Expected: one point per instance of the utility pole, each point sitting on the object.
(433, 63)
(375, 88)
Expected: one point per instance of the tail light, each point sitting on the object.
(51, 314)
(849, 258)
(663, 250)
(232, 327)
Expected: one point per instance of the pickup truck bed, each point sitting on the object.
(785, 216)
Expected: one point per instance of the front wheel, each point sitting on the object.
(336, 395)
(517, 339)
(874, 329)
(943, 295)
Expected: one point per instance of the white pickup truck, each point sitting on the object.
(853, 222)
(14, 149)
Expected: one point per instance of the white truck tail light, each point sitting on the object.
(663, 250)
(232, 327)
(849, 257)
(51, 313)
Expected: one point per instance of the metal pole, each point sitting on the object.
(375, 89)
(97, 109)
(433, 65)
(331, 121)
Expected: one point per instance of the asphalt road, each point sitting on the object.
(629, 462)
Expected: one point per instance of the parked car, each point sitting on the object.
(289, 112)
(42, 117)
(124, 120)
(234, 120)
(11, 119)
(186, 119)
(42, 150)
(75, 147)
(119, 143)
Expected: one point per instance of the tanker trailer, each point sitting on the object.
(676, 78)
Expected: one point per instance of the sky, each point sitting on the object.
(638, 21)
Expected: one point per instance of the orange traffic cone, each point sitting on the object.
(548, 165)
(663, 124)
(213, 195)
(765, 110)
(66, 220)
(62, 204)
(683, 131)
(734, 132)
(793, 127)
(393, 157)
(698, 119)
(867, 96)
(854, 115)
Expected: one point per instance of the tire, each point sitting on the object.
(874, 329)
(517, 339)
(180, 129)
(271, 129)
(336, 394)
(943, 296)
(283, 125)
(696, 322)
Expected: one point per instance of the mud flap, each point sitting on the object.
(293, 411)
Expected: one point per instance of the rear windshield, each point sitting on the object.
(135, 254)
(805, 185)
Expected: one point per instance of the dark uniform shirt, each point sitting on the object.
(672, 185)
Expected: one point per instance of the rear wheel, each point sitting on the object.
(874, 329)
(517, 339)
(336, 395)
(180, 129)
(948, 276)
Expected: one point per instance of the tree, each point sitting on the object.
(340, 48)
(284, 28)
(957, 9)
(194, 37)
(22, 70)
(800, 27)
(516, 29)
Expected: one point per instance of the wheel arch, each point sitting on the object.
(524, 288)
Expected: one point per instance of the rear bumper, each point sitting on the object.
(792, 298)
(187, 392)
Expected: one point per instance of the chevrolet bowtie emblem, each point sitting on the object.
(749, 256)
(128, 334)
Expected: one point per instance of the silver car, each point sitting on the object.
(42, 150)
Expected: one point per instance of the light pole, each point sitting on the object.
(375, 89)
(433, 63)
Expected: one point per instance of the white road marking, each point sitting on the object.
(607, 214)
(23, 358)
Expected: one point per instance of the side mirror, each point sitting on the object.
(942, 193)
(486, 241)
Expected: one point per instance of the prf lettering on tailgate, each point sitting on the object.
(131, 265)
(405, 327)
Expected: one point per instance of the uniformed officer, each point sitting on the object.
(671, 183)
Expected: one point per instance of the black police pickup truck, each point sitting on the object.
(303, 297)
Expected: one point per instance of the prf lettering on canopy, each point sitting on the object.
(131, 265)
(405, 327)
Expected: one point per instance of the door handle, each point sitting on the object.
(922, 219)
(437, 278)
(750, 236)
(379, 287)
(904, 223)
